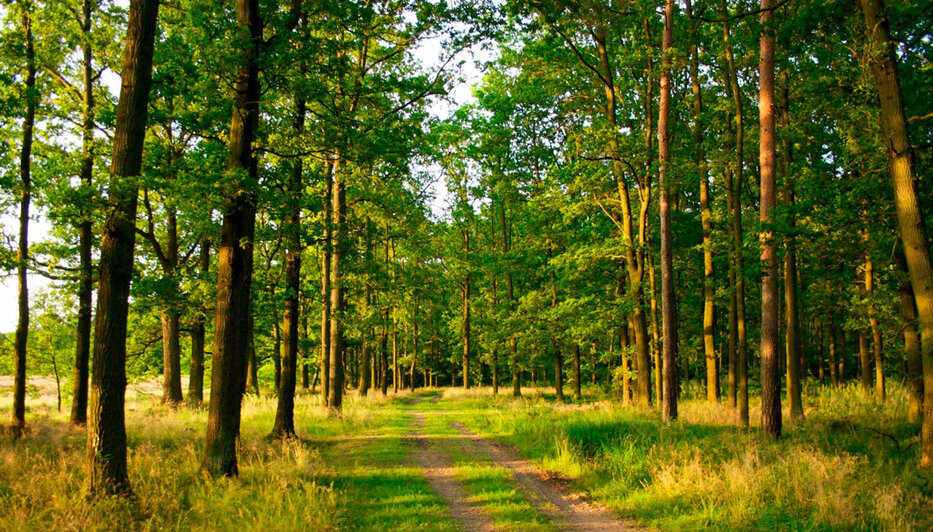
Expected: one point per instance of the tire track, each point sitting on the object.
(439, 472)
(568, 509)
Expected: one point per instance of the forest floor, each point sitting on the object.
(449, 459)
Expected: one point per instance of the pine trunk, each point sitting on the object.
(770, 300)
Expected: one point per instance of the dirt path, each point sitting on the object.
(571, 511)
(440, 475)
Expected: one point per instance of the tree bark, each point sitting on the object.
(634, 258)
(911, 340)
(909, 216)
(770, 302)
(235, 256)
(792, 340)
(741, 366)
(196, 371)
(18, 426)
(577, 392)
(340, 242)
(285, 409)
(85, 230)
(465, 328)
(325, 281)
(706, 220)
(106, 435)
(171, 357)
(668, 320)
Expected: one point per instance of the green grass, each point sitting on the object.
(851, 465)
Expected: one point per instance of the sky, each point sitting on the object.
(428, 54)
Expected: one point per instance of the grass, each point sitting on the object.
(850, 465)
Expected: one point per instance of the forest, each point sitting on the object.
(466, 264)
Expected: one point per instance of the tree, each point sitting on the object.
(18, 425)
(770, 302)
(106, 442)
(235, 255)
(669, 399)
(883, 63)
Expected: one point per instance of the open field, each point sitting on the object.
(448, 459)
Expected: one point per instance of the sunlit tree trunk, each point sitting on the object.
(235, 256)
(706, 221)
(634, 264)
(106, 434)
(770, 302)
(669, 395)
(340, 240)
(909, 217)
(908, 313)
(327, 246)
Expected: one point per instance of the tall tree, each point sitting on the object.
(18, 426)
(770, 302)
(669, 399)
(285, 410)
(235, 255)
(910, 220)
(106, 438)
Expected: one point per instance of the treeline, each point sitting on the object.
(260, 204)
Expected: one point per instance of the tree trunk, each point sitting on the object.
(741, 366)
(875, 328)
(384, 351)
(414, 350)
(106, 435)
(909, 217)
(18, 426)
(171, 357)
(86, 239)
(669, 389)
(792, 339)
(251, 377)
(285, 409)
(235, 257)
(465, 327)
(395, 372)
(325, 281)
(911, 341)
(655, 332)
(633, 254)
(337, 318)
(513, 341)
(833, 367)
(577, 392)
(770, 300)
(558, 374)
(196, 371)
(706, 220)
